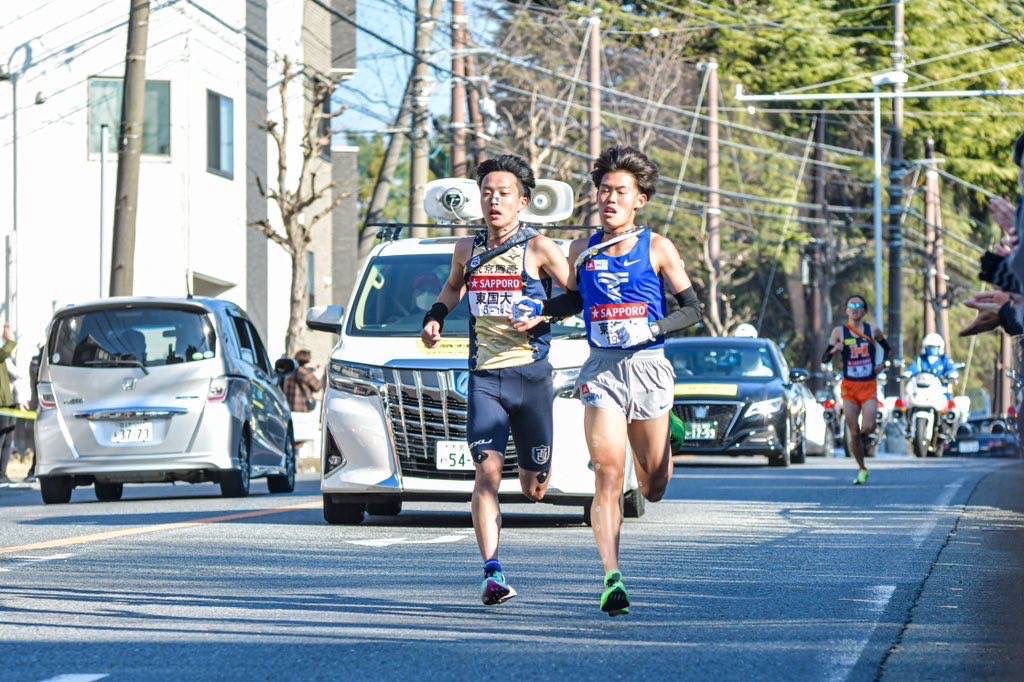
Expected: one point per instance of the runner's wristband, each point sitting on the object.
(437, 313)
(689, 313)
(564, 305)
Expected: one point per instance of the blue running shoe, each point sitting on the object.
(495, 589)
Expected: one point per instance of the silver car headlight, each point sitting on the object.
(564, 382)
(764, 408)
(354, 378)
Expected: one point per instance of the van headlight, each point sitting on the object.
(764, 408)
(564, 382)
(354, 378)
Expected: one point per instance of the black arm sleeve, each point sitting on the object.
(826, 357)
(564, 305)
(1008, 318)
(689, 312)
(885, 347)
(437, 313)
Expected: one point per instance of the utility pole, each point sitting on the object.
(476, 117)
(820, 289)
(931, 182)
(594, 219)
(941, 300)
(420, 96)
(1005, 365)
(129, 151)
(896, 173)
(713, 210)
(458, 118)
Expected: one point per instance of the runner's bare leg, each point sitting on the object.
(486, 512)
(652, 455)
(606, 440)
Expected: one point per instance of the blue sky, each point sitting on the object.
(372, 95)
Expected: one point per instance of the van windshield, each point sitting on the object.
(118, 337)
(397, 292)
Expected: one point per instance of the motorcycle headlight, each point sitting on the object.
(764, 408)
(354, 378)
(564, 382)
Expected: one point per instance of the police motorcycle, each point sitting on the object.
(927, 410)
(832, 404)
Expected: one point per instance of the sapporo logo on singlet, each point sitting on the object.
(611, 323)
(494, 295)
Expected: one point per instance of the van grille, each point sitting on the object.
(423, 408)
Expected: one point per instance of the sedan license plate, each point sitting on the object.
(969, 446)
(699, 431)
(132, 432)
(453, 455)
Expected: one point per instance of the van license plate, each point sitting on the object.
(132, 432)
(969, 446)
(699, 430)
(453, 455)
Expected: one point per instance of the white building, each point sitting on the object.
(212, 71)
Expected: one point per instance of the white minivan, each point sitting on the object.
(394, 411)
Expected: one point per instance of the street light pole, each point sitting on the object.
(877, 191)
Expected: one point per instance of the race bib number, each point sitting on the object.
(614, 325)
(494, 295)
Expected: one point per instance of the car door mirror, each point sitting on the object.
(799, 375)
(285, 365)
(326, 318)
(248, 356)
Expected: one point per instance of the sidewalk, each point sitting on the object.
(968, 621)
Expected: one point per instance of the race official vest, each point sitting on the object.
(493, 289)
(620, 291)
(858, 354)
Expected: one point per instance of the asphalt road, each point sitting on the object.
(742, 572)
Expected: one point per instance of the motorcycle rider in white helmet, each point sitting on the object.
(933, 359)
(745, 331)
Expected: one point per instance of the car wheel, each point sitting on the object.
(284, 484)
(385, 508)
(781, 459)
(236, 482)
(633, 504)
(586, 513)
(56, 489)
(799, 455)
(108, 492)
(342, 513)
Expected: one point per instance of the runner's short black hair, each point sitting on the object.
(1018, 150)
(632, 161)
(510, 163)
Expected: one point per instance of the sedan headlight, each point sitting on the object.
(764, 408)
(353, 378)
(564, 382)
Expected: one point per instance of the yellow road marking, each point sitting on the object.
(142, 530)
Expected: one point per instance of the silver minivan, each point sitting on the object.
(153, 390)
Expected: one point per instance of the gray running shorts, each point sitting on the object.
(639, 384)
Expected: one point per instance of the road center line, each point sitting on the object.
(922, 533)
(80, 677)
(159, 528)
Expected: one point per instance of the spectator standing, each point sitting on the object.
(7, 423)
(302, 385)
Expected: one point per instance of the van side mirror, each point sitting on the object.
(285, 365)
(799, 375)
(326, 318)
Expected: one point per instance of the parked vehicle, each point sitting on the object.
(737, 396)
(986, 437)
(929, 415)
(817, 432)
(394, 418)
(151, 390)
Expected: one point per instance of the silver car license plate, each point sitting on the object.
(132, 432)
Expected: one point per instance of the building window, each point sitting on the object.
(105, 109)
(310, 279)
(220, 134)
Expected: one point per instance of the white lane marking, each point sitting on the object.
(52, 557)
(922, 533)
(847, 657)
(79, 677)
(386, 542)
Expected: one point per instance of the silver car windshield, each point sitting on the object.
(140, 336)
(747, 362)
(397, 292)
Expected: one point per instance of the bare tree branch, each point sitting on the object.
(273, 235)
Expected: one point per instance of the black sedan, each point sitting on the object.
(986, 437)
(735, 396)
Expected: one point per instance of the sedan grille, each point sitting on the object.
(722, 414)
(424, 408)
